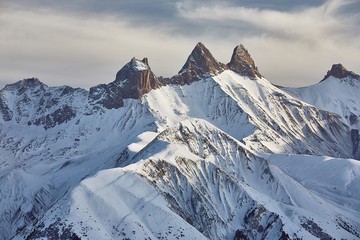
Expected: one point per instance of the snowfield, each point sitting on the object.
(224, 157)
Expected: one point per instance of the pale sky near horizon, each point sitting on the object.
(83, 43)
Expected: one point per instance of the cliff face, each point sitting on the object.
(132, 81)
(242, 63)
(198, 65)
(136, 79)
(201, 64)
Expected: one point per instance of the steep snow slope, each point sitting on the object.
(337, 179)
(195, 180)
(340, 96)
(147, 157)
(39, 166)
(254, 111)
(203, 99)
(242, 107)
(284, 123)
(338, 92)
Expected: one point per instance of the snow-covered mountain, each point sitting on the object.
(338, 92)
(215, 152)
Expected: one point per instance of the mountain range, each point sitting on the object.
(214, 152)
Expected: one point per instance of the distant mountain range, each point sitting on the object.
(214, 152)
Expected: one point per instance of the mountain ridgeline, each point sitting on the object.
(136, 78)
(214, 152)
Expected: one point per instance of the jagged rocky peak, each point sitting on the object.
(242, 63)
(30, 82)
(134, 66)
(339, 71)
(25, 84)
(132, 81)
(136, 78)
(199, 64)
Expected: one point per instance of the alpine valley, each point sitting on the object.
(214, 152)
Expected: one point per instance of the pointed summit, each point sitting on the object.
(134, 67)
(242, 63)
(199, 64)
(132, 81)
(339, 71)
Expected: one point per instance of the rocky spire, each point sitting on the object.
(132, 81)
(199, 64)
(242, 63)
(136, 79)
(339, 71)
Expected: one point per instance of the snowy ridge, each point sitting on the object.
(213, 188)
(339, 96)
(220, 155)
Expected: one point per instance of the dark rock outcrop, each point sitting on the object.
(109, 96)
(200, 64)
(26, 84)
(59, 116)
(19, 89)
(132, 81)
(242, 63)
(136, 79)
(355, 140)
(339, 71)
(5, 111)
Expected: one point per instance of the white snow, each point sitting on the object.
(340, 96)
(139, 65)
(196, 160)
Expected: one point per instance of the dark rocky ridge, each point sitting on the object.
(339, 71)
(24, 85)
(132, 81)
(242, 63)
(19, 88)
(5, 111)
(200, 64)
(35, 97)
(136, 78)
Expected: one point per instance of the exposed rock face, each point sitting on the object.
(355, 140)
(109, 96)
(242, 63)
(136, 79)
(339, 71)
(5, 111)
(33, 102)
(22, 86)
(61, 115)
(199, 64)
(20, 89)
(132, 81)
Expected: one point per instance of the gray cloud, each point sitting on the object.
(84, 43)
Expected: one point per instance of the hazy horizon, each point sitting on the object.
(87, 42)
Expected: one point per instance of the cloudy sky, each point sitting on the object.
(83, 43)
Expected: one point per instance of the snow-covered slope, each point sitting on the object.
(195, 180)
(205, 154)
(339, 94)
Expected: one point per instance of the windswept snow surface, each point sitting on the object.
(220, 158)
(340, 96)
(337, 179)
